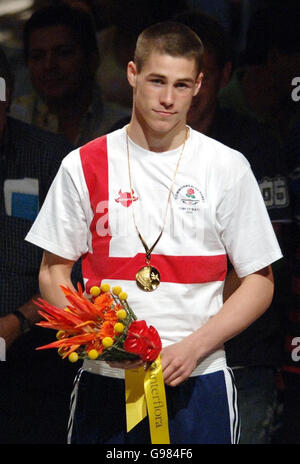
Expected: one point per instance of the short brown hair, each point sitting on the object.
(168, 38)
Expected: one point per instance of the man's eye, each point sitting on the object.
(182, 85)
(156, 81)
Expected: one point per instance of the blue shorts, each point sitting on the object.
(201, 410)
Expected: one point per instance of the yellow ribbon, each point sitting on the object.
(145, 390)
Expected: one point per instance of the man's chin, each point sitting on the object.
(164, 126)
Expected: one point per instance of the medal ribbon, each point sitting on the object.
(145, 391)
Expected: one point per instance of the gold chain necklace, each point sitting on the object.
(148, 277)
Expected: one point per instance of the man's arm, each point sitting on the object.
(249, 301)
(55, 271)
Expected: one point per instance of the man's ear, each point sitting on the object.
(131, 73)
(198, 83)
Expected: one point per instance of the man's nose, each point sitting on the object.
(167, 96)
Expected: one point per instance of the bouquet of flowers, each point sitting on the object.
(100, 327)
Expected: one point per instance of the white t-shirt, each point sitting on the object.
(216, 208)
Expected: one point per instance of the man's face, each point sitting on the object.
(56, 63)
(163, 90)
(204, 104)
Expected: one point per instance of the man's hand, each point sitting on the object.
(178, 362)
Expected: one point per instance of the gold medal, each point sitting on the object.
(148, 277)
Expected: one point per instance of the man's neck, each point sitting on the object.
(156, 141)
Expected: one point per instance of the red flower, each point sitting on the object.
(143, 341)
(190, 191)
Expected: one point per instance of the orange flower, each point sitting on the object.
(111, 316)
(107, 329)
(103, 301)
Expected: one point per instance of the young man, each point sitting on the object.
(204, 198)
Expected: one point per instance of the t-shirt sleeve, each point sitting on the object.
(61, 226)
(245, 227)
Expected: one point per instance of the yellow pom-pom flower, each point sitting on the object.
(73, 357)
(95, 290)
(123, 296)
(119, 327)
(116, 290)
(60, 334)
(105, 287)
(107, 342)
(121, 314)
(93, 354)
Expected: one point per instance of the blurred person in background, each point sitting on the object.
(262, 86)
(62, 56)
(34, 389)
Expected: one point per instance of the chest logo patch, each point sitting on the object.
(189, 198)
(125, 198)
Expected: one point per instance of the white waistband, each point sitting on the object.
(214, 362)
